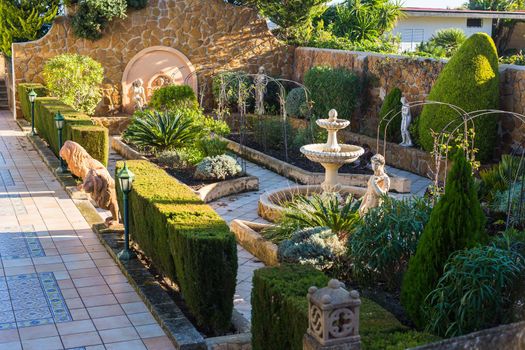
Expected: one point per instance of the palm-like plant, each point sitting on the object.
(317, 211)
(157, 132)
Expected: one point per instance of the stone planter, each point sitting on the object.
(208, 193)
(398, 184)
(217, 190)
(248, 236)
(116, 125)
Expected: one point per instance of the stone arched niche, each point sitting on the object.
(157, 66)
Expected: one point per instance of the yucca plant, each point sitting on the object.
(157, 132)
(317, 211)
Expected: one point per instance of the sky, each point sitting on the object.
(429, 3)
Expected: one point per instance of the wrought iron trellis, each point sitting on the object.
(461, 126)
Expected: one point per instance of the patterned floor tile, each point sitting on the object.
(36, 300)
(19, 245)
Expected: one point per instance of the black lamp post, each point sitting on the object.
(125, 178)
(32, 97)
(59, 123)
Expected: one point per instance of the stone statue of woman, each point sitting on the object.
(139, 95)
(405, 123)
(378, 185)
(261, 81)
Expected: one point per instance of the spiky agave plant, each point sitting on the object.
(317, 211)
(160, 131)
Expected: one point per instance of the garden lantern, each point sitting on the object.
(59, 124)
(333, 317)
(125, 178)
(32, 97)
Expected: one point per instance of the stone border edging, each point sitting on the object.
(398, 184)
(173, 321)
(251, 240)
(208, 193)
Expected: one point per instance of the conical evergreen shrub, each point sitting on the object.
(470, 80)
(456, 222)
(391, 108)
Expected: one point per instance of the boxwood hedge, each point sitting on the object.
(187, 241)
(280, 313)
(23, 91)
(93, 138)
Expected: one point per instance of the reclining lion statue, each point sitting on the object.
(97, 181)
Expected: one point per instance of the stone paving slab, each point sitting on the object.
(59, 288)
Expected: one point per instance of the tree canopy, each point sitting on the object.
(25, 20)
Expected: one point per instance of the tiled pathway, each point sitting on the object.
(244, 206)
(59, 288)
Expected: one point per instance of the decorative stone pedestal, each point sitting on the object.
(333, 318)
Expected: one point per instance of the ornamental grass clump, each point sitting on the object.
(475, 291)
(457, 222)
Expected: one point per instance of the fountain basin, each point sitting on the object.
(317, 153)
(333, 124)
(271, 204)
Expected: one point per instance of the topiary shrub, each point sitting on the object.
(333, 88)
(316, 246)
(391, 108)
(217, 168)
(296, 105)
(385, 239)
(173, 97)
(75, 80)
(456, 222)
(470, 80)
(475, 291)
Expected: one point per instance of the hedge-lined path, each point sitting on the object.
(244, 206)
(59, 288)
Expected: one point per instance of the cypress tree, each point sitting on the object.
(391, 107)
(456, 222)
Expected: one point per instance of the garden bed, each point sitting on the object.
(248, 235)
(207, 191)
(397, 184)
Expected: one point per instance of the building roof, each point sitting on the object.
(432, 12)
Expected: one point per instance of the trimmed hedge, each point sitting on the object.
(93, 138)
(23, 91)
(186, 240)
(470, 80)
(280, 313)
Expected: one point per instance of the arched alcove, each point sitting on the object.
(156, 66)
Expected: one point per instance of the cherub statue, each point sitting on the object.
(378, 185)
(139, 95)
(405, 123)
(261, 81)
(96, 179)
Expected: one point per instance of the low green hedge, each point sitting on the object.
(93, 138)
(187, 241)
(23, 91)
(280, 313)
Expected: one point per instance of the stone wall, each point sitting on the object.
(415, 77)
(213, 35)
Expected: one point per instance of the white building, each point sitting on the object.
(419, 24)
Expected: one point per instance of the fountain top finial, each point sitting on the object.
(332, 115)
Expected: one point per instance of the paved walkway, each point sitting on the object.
(59, 288)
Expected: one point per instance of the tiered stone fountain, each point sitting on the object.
(331, 156)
